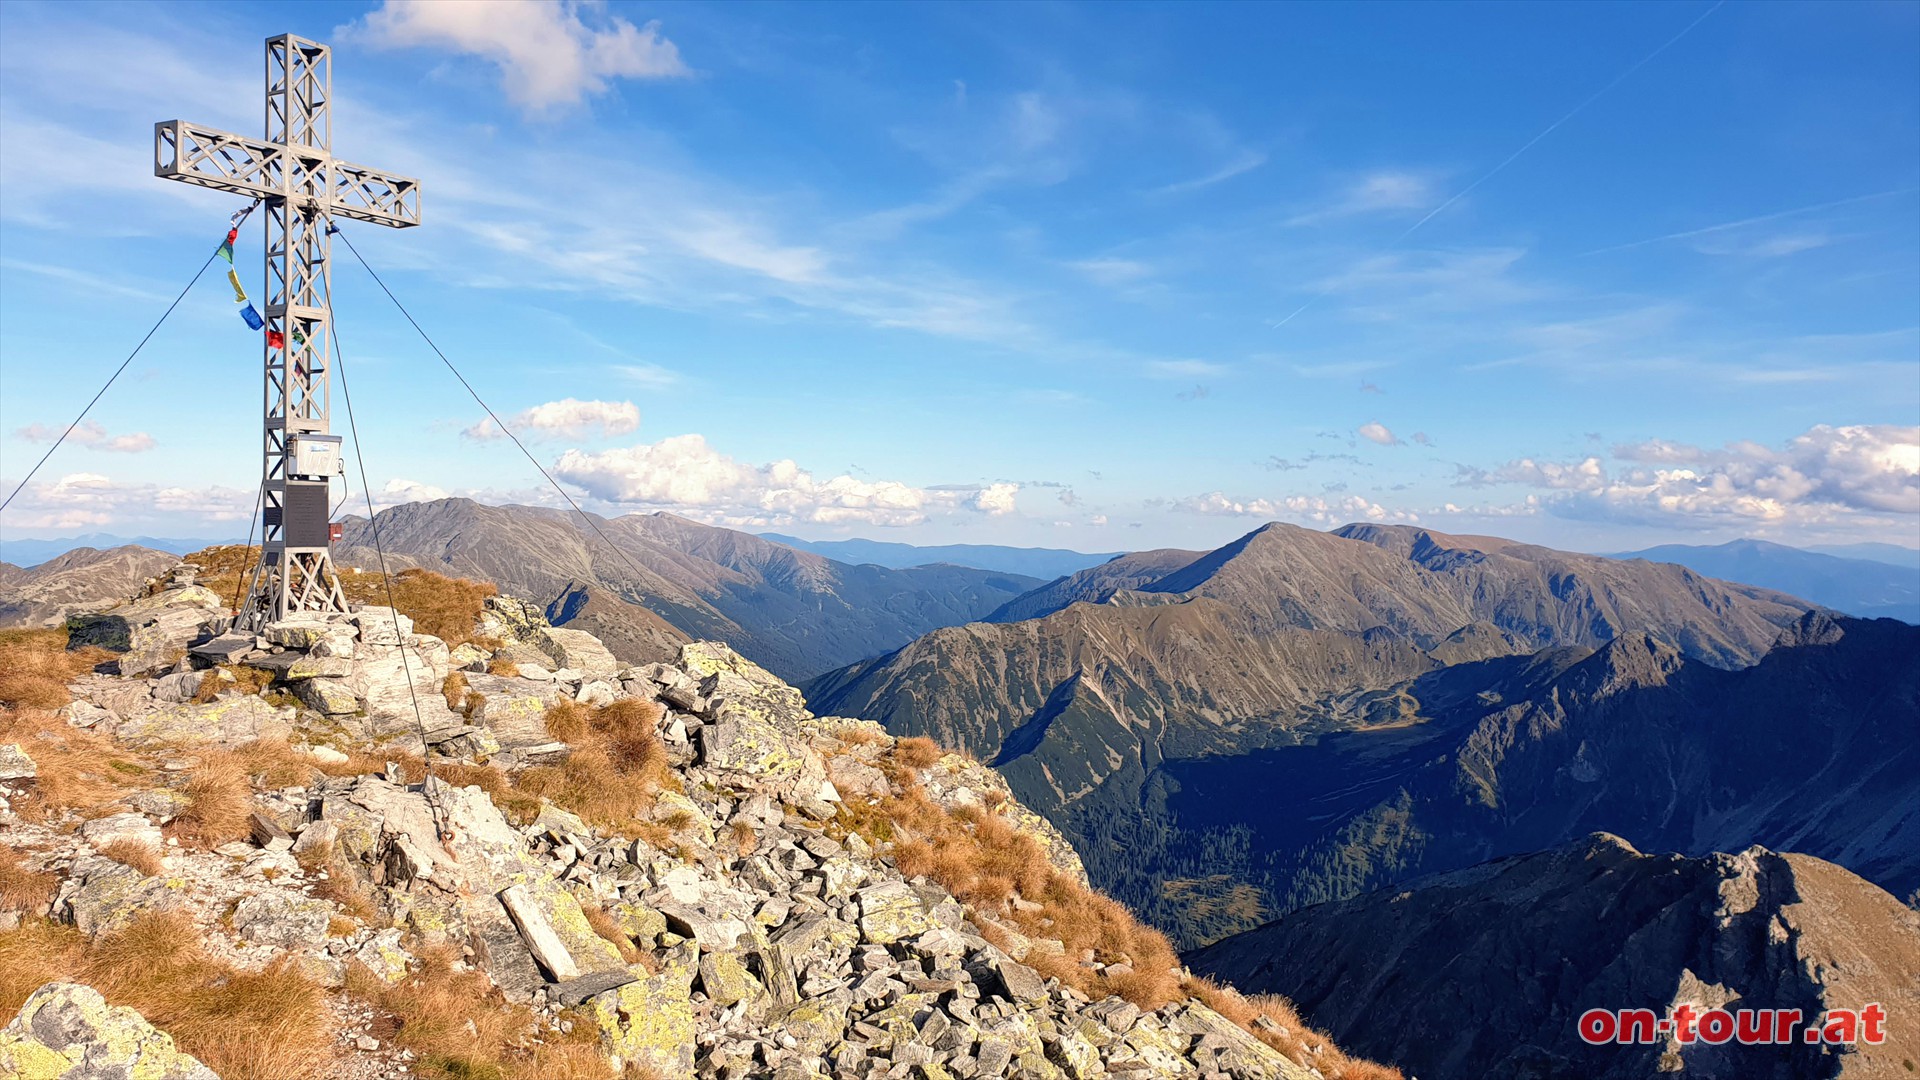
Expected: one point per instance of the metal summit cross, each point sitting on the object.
(293, 172)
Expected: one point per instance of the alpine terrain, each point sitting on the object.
(794, 612)
(1486, 971)
(1302, 716)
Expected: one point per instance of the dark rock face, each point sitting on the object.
(1228, 735)
(796, 613)
(1485, 971)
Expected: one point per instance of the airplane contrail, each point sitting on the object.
(1725, 225)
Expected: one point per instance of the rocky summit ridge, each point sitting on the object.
(560, 865)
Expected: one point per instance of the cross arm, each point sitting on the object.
(209, 157)
(217, 159)
(365, 194)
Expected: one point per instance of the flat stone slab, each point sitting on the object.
(572, 992)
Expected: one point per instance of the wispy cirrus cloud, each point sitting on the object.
(90, 435)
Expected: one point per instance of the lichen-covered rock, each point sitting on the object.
(116, 827)
(576, 650)
(101, 895)
(383, 955)
(649, 1023)
(277, 918)
(892, 911)
(331, 697)
(68, 1031)
(152, 632)
(736, 686)
(15, 764)
(230, 721)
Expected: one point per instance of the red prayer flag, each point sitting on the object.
(276, 340)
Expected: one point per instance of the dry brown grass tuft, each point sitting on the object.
(246, 680)
(138, 854)
(78, 769)
(439, 605)
(744, 837)
(430, 1013)
(607, 927)
(916, 752)
(340, 886)
(227, 569)
(22, 889)
(617, 766)
(985, 861)
(454, 689)
(219, 794)
(1285, 1031)
(261, 1025)
(35, 668)
(504, 668)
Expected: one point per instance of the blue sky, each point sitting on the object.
(1104, 277)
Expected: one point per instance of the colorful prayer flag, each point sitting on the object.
(252, 317)
(276, 340)
(239, 294)
(226, 248)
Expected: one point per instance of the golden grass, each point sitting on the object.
(439, 605)
(987, 863)
(916, 752)
(22, 889)
(227, 569)
(246, 680)
(745, 839)
(219, 798)
(429, 1013)
(77, 769)
(138, 854)
(454, 689)
(617, 766)
(35, 667)
(607, 927)
(1295, 1039)
(262, 1025)
(505, 668)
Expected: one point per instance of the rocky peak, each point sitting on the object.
(676, 864)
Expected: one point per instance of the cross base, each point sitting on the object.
(298, 580)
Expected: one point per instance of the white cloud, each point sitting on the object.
(651, 376)
(567, 417)
(546, 54)
(1376, 432)
(85, 500)
(1828, 475)
(91, 435)
(1311, 508)
(398, 491)
(996, 499)
(1381, 191)
(687, 475)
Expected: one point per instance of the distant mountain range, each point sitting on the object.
(79, 579)
(1163, 707)
(1042, 563)
(794, 612)
(30, 552)
(1886, 553)
(1876, 583)
(1485, 971)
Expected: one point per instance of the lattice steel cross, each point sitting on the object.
(303, 187)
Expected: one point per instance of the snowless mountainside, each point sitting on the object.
(346, 848)
(1486, 971)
